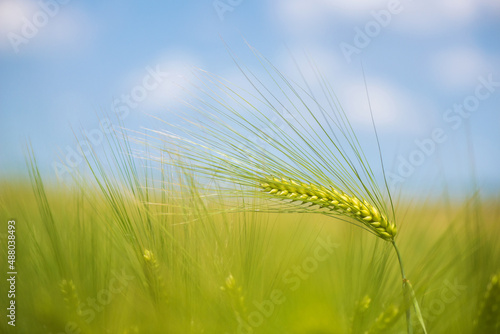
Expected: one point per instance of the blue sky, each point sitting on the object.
(64, 62)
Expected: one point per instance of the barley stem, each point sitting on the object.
(407, 288)
(409, 327)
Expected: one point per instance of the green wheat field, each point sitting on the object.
(186, 231)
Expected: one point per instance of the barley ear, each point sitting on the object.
(488, 318)
(131, 330)
(385, 320)
(235, 294)
(72, 302)
(70, 296)
(154, 279)
(359, 311)
(332, 199)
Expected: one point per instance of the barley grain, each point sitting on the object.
(334, 200)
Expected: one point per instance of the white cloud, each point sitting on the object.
(71, 31)
(179, 66)
(394, 110)
(173, 75)
(459, 67)
(423, 16)
(354, 7)
(11, 18)
(47, 27)
(311, 11)
(305, 58)
(12, 12)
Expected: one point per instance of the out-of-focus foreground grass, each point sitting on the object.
(115, 256)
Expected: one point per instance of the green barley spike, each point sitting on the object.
(359, 312)
(488, 318)
(70, 295)
(385, 320)
(334, 200)
(236, 296)
(154, 279)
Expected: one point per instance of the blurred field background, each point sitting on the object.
(101, 258)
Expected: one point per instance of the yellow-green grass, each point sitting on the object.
(281, 270)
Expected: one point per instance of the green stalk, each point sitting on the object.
(409, 326)
(408, 288)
